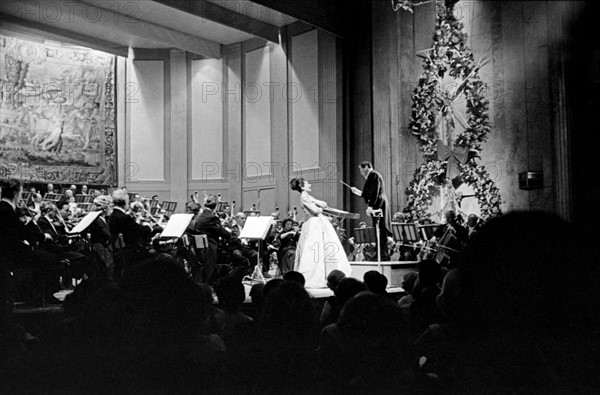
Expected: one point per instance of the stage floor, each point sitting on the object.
(358, 271)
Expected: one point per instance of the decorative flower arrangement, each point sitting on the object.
(452, 57)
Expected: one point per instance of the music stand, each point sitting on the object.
(365, 235)
(85, 207)
(257, 228)
(169, 207)
(368, 236)
(81, 198)
(428, 231)
(84, 223)
(252, 213)
(52, 197)
(405, 232)
(26, 196)
(222, 207)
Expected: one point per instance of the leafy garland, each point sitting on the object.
(450, 55)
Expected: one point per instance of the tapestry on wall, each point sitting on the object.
(57, 107)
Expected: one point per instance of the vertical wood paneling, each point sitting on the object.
(179, 132)
(414, 34)
(279, 127)
(383, 40)
(329, 163)
(257, 112)
(514, 145)
(304, 99)
(361, 130)
(146, 140)
(561, 126)
(538, 121)
(206, 137)
(232, 169)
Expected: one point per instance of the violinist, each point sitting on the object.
(17, 241)
(60, 243)
(192, 208)
(100, 235)
(35, 204)
(209, 224)
(243, 254)
(288, 240)
(135, 235)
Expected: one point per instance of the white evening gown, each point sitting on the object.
(319, 248)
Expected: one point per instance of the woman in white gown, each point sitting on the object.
(319, 248)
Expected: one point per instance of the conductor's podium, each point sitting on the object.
(393, 270)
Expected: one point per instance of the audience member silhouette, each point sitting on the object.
(424, 310)
(295, 276)
(513, 329)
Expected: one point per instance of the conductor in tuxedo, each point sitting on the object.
(209, 224)
(374, 195)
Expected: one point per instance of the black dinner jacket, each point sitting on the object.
(209, 224)
(46, 227)
(374, 195)
(99, 232)
(133, 233)
(13, 232)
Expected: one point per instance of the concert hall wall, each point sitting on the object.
(241, 126)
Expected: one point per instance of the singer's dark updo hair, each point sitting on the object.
(296, 184)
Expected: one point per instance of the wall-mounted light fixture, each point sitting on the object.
(531, 180)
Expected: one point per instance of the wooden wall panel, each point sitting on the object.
(178, 149)
(385, 93)
(257, 113)
(330, 127)
(304, 99)
(207, 132)
(146, 140)
(540, 153)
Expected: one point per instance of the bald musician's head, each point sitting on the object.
(120, 198)
(240, 219)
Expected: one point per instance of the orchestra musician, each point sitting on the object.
(35, 204)
(244, 254)
(374, 195)
(192, 208)
(17, 242)
(209, 224)
(135, 235)
(60, 243)
(473, 225)
(454, 226)
(50, 188)
(362, 251)
(100, 235)
(287, 239)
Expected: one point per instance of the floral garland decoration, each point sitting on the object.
(450, 55)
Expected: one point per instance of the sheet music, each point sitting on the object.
(177, 225)
(256, 227)
(85, 222)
